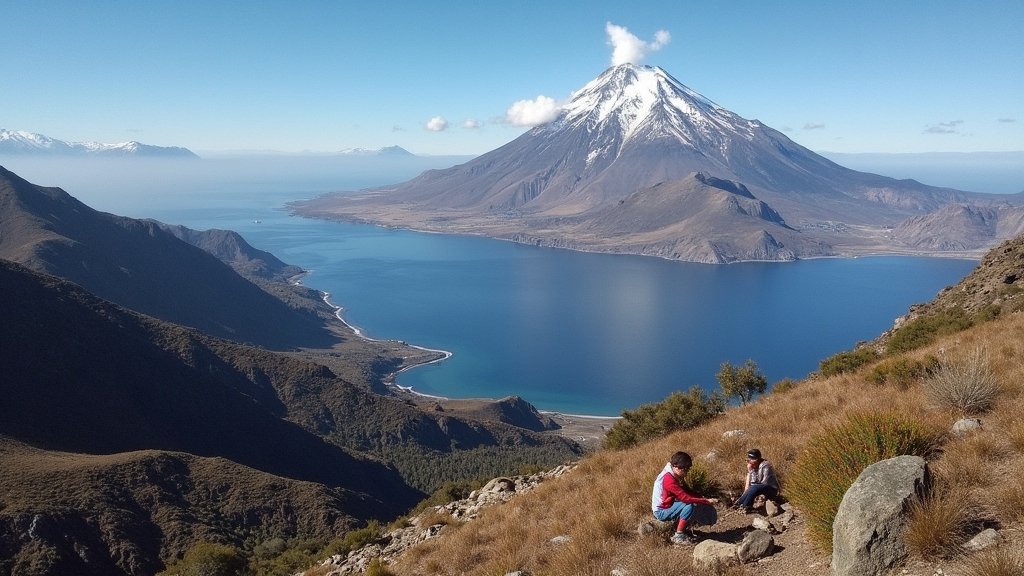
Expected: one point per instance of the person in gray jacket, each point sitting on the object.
(761, 481)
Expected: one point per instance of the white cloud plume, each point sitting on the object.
(436, 124)
(532, 112)
(627, 48)
(813, 126)
(471, 124)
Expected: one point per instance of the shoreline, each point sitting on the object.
(848, 252)
(389, 379)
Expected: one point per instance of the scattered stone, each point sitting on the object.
(733, 433)
(654, 526)
(712, 456)
(965, 426)
(755, 545)
(867, 534)
(987, 538)
(714, 555)
(518, 573)
(619, 572)
(786, 519)
(764, 524)
(771, 508)
(560, 540)
(391, 545)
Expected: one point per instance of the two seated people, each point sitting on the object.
(672, 499)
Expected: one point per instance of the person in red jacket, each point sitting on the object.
(671, 499)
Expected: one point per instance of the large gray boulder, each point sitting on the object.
(755, 545)
(867, 534)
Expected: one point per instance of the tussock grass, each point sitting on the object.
(601, 503)
(939, 524)
(965, 387)
(832, 460)
(999, 562)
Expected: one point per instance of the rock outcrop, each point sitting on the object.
(867, 535)
(432, 521)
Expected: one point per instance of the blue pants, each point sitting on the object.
(747, 499)
(694, 514)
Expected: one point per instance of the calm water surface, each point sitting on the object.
(568, 331)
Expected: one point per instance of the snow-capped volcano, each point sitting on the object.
(648, 102)
(22, 142)
(586, 180)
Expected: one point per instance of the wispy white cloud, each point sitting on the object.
(397, 128)
(436, 124)
(1006, 120)
(627, 48)
(951, 127)
(472, 124)
(532, 112)
(813, 126)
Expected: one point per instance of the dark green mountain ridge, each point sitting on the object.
(124, 438)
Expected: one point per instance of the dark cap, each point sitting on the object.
(754, 453)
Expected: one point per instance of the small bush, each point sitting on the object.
(273, 559)
(355, 539)
(966, 387)
(784, 385)
(448, 492)
(742, 382)
(681, 410)
(901, 372)
(378, 568)
(700, 479)
(924, 330)
(847, 361)
(208, 559)
(833, 459)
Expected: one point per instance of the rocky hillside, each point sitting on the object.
(167, 435)
(142, 266)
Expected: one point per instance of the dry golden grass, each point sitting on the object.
(600, 504)
(939, 524)
(1002, 561)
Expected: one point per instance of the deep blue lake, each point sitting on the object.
(568, 331)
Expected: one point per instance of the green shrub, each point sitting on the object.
(274, 558)
(784, 385)
(924, 330)
(681, 410)
(742, 382)
(378, 568)
(448, 492)
(832, 460)
(847, 361)
(701, 480)
(208, 559)
(901, 371)
(353, 540)
(966, 387)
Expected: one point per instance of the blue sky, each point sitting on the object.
(903, 76)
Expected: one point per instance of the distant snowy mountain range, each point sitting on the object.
(29, 143)
(396, 151)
